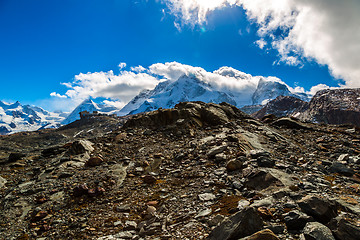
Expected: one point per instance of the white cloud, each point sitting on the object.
(119, 88)
(138, 69)
(54, 94)
(122, 65)
(318, 87)
(326, 31)
(261, 43)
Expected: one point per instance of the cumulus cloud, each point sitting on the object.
(122, 65)
(54, 94)
(326, 31)
(119, 89)
(138, 69)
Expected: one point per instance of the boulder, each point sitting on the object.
(242, 224)
(317, 231)
(13, 157)
(80, 147)
(263, 178)
(338, 167)
(296, 220)
(322, 209)
(345, 229)
(265, 234)
(289, 123)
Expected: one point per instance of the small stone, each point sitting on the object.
(149, 179)
(265, 162)
(152, 203)
(216, 150)
(277, 228)
(3, 181)
(94, 161)
(123, 208)
(243, 204)
(207, 197)
(221, 157)
(130, 225)
(80, 190)
(151, 210)
(265, 213)
(40, 215)
(204, 213)
(117, 223)
(234, 165)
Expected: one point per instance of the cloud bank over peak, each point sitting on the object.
(118, 89)
(326, 31)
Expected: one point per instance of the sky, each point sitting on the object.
(57, 53)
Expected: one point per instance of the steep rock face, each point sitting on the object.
(337, 106)
(281, 106)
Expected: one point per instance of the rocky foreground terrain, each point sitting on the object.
(198, 171)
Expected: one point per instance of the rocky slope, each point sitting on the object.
(198, 171)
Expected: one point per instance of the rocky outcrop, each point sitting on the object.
(197, 114)
(281, 106)
(337, 106)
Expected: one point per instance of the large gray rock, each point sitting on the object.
(296, 220)
(338, 167)
(2, 182)
(265, 177)
(80, 147)
(317, 231)
(242, 224)
(322, 209)
(343, 229)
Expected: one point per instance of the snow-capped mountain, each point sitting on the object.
(16, 117)
(190, 88)
(90, 106)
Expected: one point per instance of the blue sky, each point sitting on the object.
(44, 43)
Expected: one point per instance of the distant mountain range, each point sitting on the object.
(16, 117)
